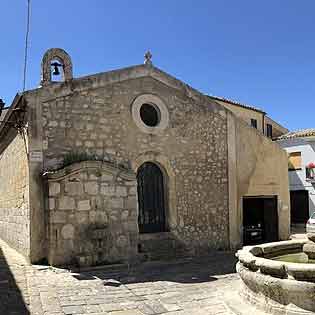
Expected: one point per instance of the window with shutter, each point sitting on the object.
(269, 131)
(253, 123)
(295, 161)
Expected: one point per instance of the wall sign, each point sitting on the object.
(36, 156)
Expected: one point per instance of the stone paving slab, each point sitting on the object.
(200, 286)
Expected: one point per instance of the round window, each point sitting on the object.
(150, 115)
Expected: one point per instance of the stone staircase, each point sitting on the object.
(161, 246)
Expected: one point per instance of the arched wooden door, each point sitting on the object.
(151, 199)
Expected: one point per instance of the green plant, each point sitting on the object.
(74, 157)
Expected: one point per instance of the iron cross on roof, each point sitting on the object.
(147, 58)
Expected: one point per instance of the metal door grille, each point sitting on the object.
(151, 199)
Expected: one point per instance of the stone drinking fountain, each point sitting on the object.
(279, 277)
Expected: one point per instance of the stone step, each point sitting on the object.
(161, 246)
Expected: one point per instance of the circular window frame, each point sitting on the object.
(156, 102)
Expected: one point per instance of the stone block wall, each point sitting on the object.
(14, 196)
(92, 215)
(93, 115)
(98, 121)
(258, 167)
(263, 170)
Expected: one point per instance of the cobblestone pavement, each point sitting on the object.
(197, 287)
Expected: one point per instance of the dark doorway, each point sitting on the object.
(260, 220)
(299, 206)
(151, 199)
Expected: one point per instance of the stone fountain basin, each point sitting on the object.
(276, 287)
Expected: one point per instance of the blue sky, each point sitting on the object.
(257, 52)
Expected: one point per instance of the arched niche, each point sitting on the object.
(59, 55)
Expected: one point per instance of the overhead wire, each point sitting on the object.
(26, 42)
(23, 130)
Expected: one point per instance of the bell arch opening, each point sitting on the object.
(56, 66)
(152, 198)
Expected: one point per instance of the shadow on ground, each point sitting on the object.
(195, 270)
(11, 300)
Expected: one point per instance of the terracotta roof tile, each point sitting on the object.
(298, 134)
(223, 99)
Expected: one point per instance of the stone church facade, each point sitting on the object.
(128, 164)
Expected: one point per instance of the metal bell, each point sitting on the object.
(56, 66)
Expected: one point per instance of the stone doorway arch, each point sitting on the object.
(152, 199)
(169, 185)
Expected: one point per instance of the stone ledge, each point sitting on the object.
(247, 257)
(89, 165)
(155, 236)
(275, 286)
(275, 295)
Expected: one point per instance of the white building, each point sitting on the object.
(300, 146)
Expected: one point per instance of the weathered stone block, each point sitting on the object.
(131, 183)
(108, 190)
(53, 123)
(93, 177)
(121, 191)
(82, 217)
(84, 205)
(124, 214)
(51, 203)
(99, 233)
(58, 217)
(107, 177)
(54, 189)
(91, 188)
(89, 144)
(309, 250)
(311, 236)
(74, 188)
(130, 203)
(98, 217)
(67, 231)
(132, 191)
(113, 217)
(117, 203)
(66, 203)
(84, 176)
(122, 241)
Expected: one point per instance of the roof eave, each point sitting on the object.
(222, 99)
(4, 124)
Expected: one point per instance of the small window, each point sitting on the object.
(269, 131)
(253, 123)
(294, 161)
